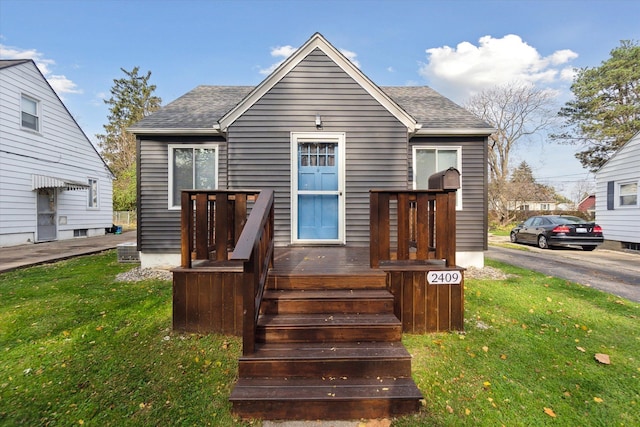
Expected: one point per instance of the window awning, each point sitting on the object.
(42, 181)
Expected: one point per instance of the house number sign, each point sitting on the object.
(444, 277)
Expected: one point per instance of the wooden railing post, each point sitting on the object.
(374, 230)
(186, 229)
(221, 226)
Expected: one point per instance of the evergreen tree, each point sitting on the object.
(131, 100)
(605, 111)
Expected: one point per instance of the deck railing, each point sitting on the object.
(211, 223)
(233, 252)
(255, 250)
(412, 227)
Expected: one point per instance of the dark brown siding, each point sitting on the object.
(471, 224)
(158, 226)
(376, 142)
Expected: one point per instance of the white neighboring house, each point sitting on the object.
(618, 196)
(53, 183)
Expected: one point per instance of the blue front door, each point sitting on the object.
(318, 190)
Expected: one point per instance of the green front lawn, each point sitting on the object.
(79, 348)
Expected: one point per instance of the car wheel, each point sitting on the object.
(542, 242)
(513, 237)
(588, 247)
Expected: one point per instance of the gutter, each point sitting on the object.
(214, 130)
(454, 131)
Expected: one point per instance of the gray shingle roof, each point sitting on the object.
(202, 107)
(432, 110)
(6, 63)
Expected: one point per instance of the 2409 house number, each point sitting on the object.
(437, 277)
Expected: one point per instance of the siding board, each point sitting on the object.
(375, 140)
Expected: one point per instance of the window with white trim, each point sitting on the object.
(92, 194)
(628, 194)
(29, 113)
(191, 167)
(428, 160)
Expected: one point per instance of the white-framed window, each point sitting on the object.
(29, 113)
(191, 166)
(428, 160)
(92, 194)
(628, 194)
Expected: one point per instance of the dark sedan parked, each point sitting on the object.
(558, 230)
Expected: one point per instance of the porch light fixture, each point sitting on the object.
(318, 121)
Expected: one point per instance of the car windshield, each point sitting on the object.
(567, 220)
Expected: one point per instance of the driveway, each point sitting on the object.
(615, 272)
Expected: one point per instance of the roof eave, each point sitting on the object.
(215, 130)
(453, 131)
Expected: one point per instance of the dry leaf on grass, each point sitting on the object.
(549, 412)
(603, 358)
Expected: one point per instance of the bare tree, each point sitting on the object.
(517, 111)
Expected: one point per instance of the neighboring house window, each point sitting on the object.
(628, 194)
(544, 206)
(191, 167)
(30, 117)
(428, 160)
(92, 199)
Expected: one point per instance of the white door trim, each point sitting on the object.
(340, 138)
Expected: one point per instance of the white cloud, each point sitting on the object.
(468, 69)
(60, 83)
(351, 56)
(283, 51)
(278, 52)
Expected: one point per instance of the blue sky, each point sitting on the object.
(457, 47)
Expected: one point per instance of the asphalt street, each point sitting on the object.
(615, 272)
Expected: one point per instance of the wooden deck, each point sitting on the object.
(321, 325)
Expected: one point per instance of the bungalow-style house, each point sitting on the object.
(297, 215)
(535, 205)
(321, 135)
(53, 183)
(618, 197)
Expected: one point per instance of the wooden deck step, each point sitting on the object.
(326, 399)
(335, 359)
(327, 301)
(338, 327)
(372, 279)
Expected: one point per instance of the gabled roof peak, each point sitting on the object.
(317, 41)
